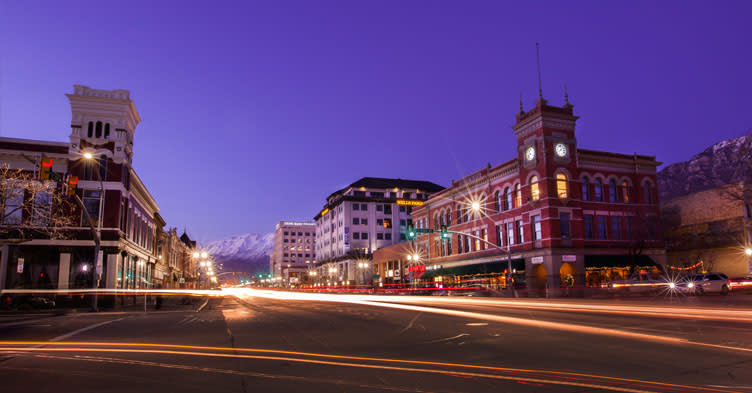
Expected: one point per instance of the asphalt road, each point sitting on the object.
(254, 341)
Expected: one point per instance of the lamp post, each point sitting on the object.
(475, 206)
(96, 233)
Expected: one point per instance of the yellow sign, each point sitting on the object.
(323, 212)
(407, 202)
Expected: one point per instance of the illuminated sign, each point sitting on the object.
(408, 202)
(323, 212)
(297, 223)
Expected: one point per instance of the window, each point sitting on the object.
(467, 243)
(561, 185)
(616, 228)
(517, 195)
(520, 233)
(403, 222)
(387, 209)
(377, 194)
(13, 210)
(379, 222)
(363, 207)
(359, 193)
(648, 191)
(449, 217)
(484, 235)
(364, 236)
(387, 223)
(500, 235)
(91, 203)
(510, 234)
(588, 227)
(402, 209)
(599, 190)
(402, 236)
(356, 206)
(507, 199)
(459, 215)
(585, 189)
(107, 130)
(612, 194)
(356, 235)
(564, 226)
(602, 227)
(356, 221)
(497, 200)
(98, 130)
(379, 236)
(42, 210)
(90, 132)
(625, 191)
(300, 233)
(534, 190)
(535, 225)
(287, 233)
(285, 240)
(459, 244)
(387, 236)
(379, 208)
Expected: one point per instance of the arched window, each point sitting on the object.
(459, 214)
(517, 195)
(442, 220)
(534, 190)
(98, 132)
(648, 190)
(598, 190)
(507, 199)
(625, 191)
(107, 130)
(561, 185)
(497, 199)
(449, 217)
(91, 130)
(436, 221)
(612, 194)
(585, 189)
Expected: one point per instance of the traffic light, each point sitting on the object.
(410, 232)
(72, 185)
(444, 233)
(45, 169)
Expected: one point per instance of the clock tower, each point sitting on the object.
(546, 142)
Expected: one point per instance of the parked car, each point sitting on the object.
(700, 284)
(637, 283)
(744, 282)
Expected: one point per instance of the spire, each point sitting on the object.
(566, 97)
(521, 110)
(540, 85)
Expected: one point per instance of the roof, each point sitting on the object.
(380, 182)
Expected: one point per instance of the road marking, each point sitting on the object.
(595, 384)
(83, 329)
(201, 307)
(409, 325)
(447, 339)
(477, 324)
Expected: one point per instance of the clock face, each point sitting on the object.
(561, 149)
(530, 153)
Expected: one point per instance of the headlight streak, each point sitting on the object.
(528, 375)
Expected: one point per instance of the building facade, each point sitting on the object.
(365, 216)
(99, 156)
(563, 215)
(709, 230)
(294, 251)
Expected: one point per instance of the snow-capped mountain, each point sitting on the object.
(725, 162)
(245, 253)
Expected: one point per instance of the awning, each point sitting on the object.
(467, 270)
(595, 261)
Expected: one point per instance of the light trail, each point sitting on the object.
(528, 375)
(106, 291)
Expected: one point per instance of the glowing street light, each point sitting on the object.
(475, 206)
(748, 251)
(196, 254)
(88, 156)
(204, 254)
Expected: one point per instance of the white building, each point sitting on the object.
(294, 251)
(369, 214)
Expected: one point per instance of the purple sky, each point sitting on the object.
(255, 113)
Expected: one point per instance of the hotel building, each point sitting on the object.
(294, 251)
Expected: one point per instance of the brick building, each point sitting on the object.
(99, 153)
(563, 214)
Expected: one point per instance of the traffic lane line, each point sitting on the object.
(126, 347)
(533, 376)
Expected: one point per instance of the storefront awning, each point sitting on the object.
(596, 261)
(467, 270)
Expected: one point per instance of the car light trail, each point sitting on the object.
(469, 370)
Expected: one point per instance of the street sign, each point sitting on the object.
(536, 260)
(100, 256)
(19, 268)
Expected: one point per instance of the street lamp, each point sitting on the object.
(97, 233)
(748, 251)
(204, 255)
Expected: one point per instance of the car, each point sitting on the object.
(637, 283)
(744, 282)
(703, 283)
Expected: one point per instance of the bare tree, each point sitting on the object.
(32, 209)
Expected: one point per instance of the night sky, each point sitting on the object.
(253, 113)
